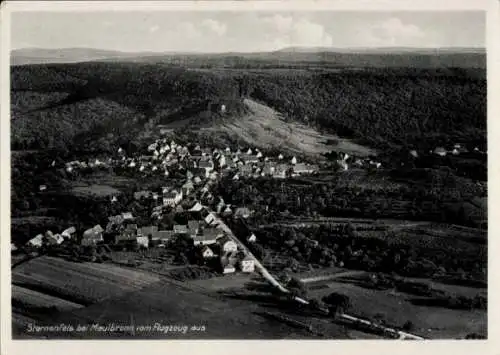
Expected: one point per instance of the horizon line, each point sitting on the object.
(290, 48)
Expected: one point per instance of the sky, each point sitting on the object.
(225, 31)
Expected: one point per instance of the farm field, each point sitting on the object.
(32, 220)
(106, 182)
(175, 303)
(396, 308)
(237, 281)
(95, 190)
(33, 299)
(84, 283)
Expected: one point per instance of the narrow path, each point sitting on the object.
(331, 276)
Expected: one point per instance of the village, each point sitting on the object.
(210, 241)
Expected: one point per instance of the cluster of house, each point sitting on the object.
(95, 163)
(49, 238)
(210, 241)
(345, 161)
(457, 149)
(164, 157)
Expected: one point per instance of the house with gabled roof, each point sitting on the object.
(243, 212)
(152, 147)
(187, 187)
(207, 237)
(127, 216)
(147, 231)
(209, 218)
(230, 164)
(268, 170)
(245, 170)
(251, 238)
(247, 264)
(118, 219)
(69, 232)
(128, 234)
(222, 161)
(172, 198)
(249, 159)
(227, 245)
(228, 269)
(280, 171)
(92, 236)
(227, 211)
(302, 168)
(227, 264)
(37, 241)
(206, 252)
(207, 165)
(142, 241)
(179, 209)
(440, 151)
(197, 180)
(342, 165)
(180, 229)
(220, 206)
(203, 239)
(53, 239)
(163, 235)
(197, 207)
(213, 175)
(193, 227)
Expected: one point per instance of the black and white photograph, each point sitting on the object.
(217, 174)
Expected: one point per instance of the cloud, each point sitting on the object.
(186, 30)
(281, 23)
(214, 26)
(154, 28)
(392, 32)
(307, 33)
(292, 31)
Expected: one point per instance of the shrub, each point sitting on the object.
(408, 326)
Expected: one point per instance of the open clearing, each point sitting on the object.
(32, 220)
(95, 190)
(227, 282)
(30, 298)
(176, 303)
(101, 181)
(266, 128)
(84, 283)
(396, 308)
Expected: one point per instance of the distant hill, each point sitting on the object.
(386, 50)
(356, 57)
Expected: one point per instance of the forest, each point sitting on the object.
(344, 246)
(384, 109)
(66, 106)
(435, 195)
(65, 111)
